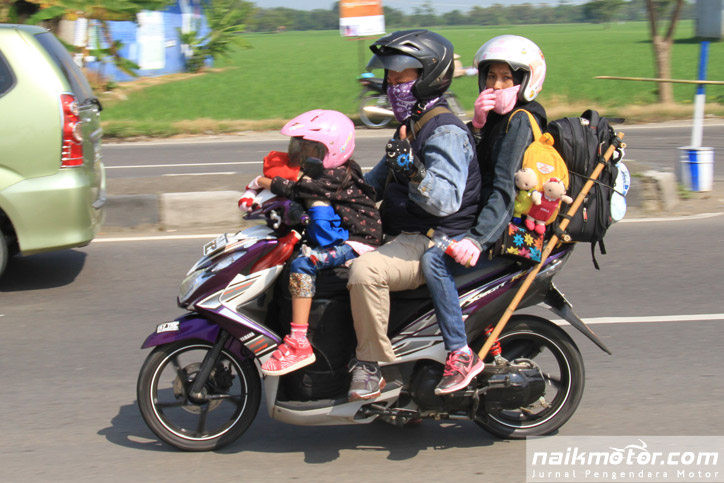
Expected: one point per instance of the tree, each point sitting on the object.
(662, 44)
(602, 11)
(226, 20)
(394, 17)
(453, 18)
(273, 19)
(424, 16)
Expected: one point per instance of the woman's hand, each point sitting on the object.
(483, 104)
(466, 253)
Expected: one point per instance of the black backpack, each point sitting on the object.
(581, 141)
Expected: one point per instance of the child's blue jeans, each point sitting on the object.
(304, 270)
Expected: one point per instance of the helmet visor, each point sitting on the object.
(398, 63)
(300, 149)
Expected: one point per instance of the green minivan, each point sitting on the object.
(52, 179)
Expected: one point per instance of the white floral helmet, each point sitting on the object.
(520, 54)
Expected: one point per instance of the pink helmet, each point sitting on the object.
(332, 129)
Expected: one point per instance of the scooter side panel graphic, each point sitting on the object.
(190, 326)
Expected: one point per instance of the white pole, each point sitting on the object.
(699, 99)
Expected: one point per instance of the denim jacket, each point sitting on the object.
(447, 155)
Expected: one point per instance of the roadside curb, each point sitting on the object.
(652, 193)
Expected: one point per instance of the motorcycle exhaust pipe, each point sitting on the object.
(379, 111)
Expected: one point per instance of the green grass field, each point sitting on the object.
(287, 73)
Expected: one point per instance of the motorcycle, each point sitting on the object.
(374, 107)
(201, 386)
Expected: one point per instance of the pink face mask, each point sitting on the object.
(505, 99)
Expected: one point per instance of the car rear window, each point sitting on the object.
(72, 72)
(6, 76)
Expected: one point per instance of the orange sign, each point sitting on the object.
(360, 8)
(359, 18)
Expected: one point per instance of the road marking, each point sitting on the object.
(185, 165)
(214, 235)
(700, 216)
(155, 238)
(201, 174)
(197, 165)
(647, 319)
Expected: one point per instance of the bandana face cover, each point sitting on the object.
(401, 99)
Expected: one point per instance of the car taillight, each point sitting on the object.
(71, 153)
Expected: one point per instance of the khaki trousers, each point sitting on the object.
(393, 267)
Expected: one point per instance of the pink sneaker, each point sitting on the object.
(292, 354)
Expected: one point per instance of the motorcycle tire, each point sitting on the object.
(539, 340)
(371, 98)
(163, 385)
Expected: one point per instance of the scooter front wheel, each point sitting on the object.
(231, 396)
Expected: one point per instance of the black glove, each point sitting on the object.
(295, 214)
(399, 157)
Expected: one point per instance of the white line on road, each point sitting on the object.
(671, 218)
(214, 235)
(647, 319)
(185, 165)
(197, 165)
(218, 173)
(154, 238)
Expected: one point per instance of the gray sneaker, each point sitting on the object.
(367, 381)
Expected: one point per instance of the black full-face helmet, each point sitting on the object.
(419, 49)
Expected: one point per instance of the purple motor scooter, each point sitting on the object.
(200, 387)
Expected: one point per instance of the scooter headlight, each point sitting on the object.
(191, 283)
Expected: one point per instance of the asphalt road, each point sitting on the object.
(71, 325)
(229, 162)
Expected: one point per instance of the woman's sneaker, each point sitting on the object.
(367, 381)
(291, 355)
(460, 369)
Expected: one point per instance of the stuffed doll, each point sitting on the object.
(525, 180)
(546, 204)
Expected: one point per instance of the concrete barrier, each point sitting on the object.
(200, 209)
(652, 192)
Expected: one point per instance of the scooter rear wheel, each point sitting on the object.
(558, 357)
(233, 394)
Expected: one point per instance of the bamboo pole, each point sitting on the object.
(546, 252)
(653, 79)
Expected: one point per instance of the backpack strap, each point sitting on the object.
(418, 125)
(533, 124)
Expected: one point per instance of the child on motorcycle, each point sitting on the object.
(344, 221)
